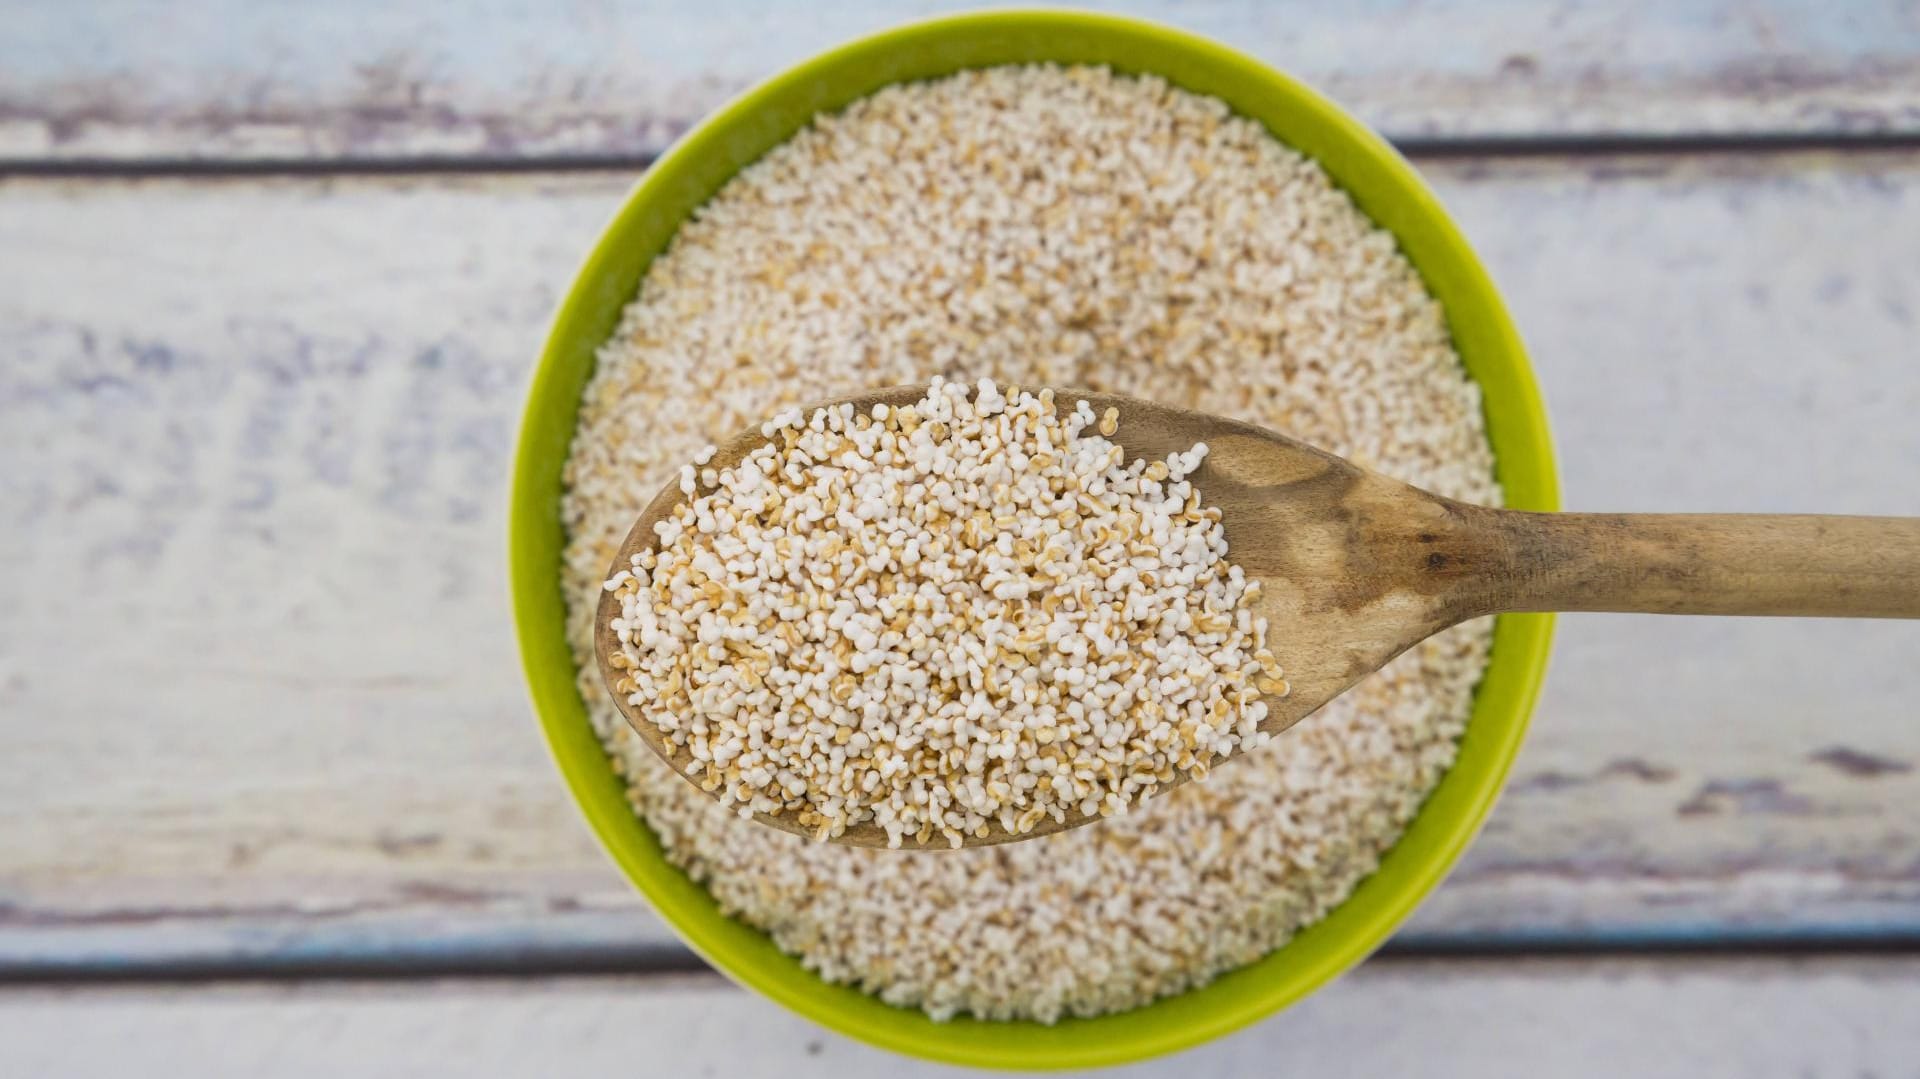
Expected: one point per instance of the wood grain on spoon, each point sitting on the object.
(1357, 568)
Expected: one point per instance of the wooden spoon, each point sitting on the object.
(1356, 567)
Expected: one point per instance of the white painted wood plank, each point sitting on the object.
(366, 80)
(276, 419)
(1714, 335)
(259, 701)
(1743, 1018)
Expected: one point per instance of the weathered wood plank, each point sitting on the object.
(1693, 1019)
(262, 705)
(361, 80)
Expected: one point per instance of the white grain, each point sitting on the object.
(1018, 626)
(1047, 227)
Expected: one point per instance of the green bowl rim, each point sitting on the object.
(1523, 640)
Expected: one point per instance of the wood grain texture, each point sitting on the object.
(260, 703)
(1784, 564)
(360, 80)
(1750, 1019)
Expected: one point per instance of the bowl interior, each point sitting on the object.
(1383, 185)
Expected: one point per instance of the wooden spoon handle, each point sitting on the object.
(1737, 564)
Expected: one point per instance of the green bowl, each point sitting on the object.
(1383, 185)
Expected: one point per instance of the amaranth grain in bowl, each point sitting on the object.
(1064, 227)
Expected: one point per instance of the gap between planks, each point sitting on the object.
(1682, 951)
(1435, 149)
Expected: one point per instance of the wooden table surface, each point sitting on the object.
(271, 283)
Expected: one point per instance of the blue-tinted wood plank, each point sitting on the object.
(364, 80)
